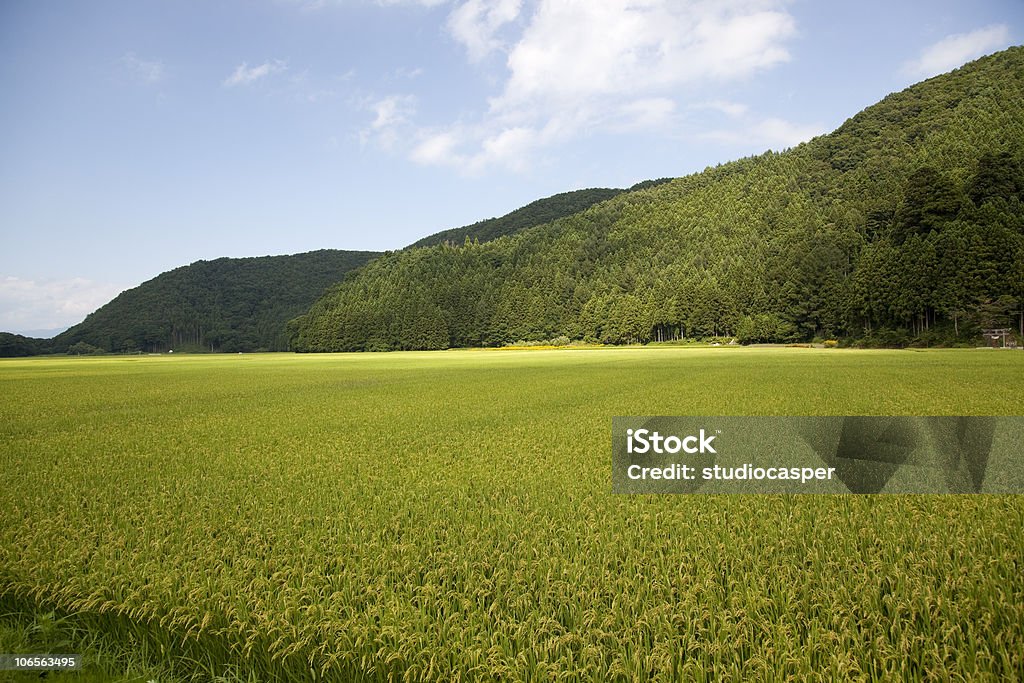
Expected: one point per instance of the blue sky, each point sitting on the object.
(139, 136)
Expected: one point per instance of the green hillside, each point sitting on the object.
(228, 304)
(904, 225)
(533, 214)
(15, 345)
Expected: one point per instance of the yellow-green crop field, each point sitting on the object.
(448, 516)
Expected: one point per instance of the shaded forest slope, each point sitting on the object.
(227, 304)
(533, 214)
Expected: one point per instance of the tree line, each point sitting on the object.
(226, 304)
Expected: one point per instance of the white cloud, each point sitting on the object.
(955, 50)
(581, 67)
(475, 24)
(642, 114)
(437, 149)
(730, 109)
(509, 147)
(146, 71)
(576, 51)
(407, 73)
(392, 115)
(470, 150)
(779, 133)
(46, 304)
(245, 74)
(773, 133)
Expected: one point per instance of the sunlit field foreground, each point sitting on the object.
(448, 516)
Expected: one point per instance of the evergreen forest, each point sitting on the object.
(904, 226)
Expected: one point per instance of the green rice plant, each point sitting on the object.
(448, 516)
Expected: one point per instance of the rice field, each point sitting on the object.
(449, 516)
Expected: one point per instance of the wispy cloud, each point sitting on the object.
(27, 304)
(583, 67)
(510, 147)
(246, 75)
(143, 70)
(392, 114)
(475, 24)
(731, 109)
(407, 73)
(957, 49)
(773, 133)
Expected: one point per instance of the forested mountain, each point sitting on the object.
(904, 224)
(15, 345)
(533, 214)
(228, 304)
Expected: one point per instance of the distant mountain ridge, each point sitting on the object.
(45, 333)
(227, 304)
(18, 345)
(533, 214)
(243, 304)
(905, 225)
